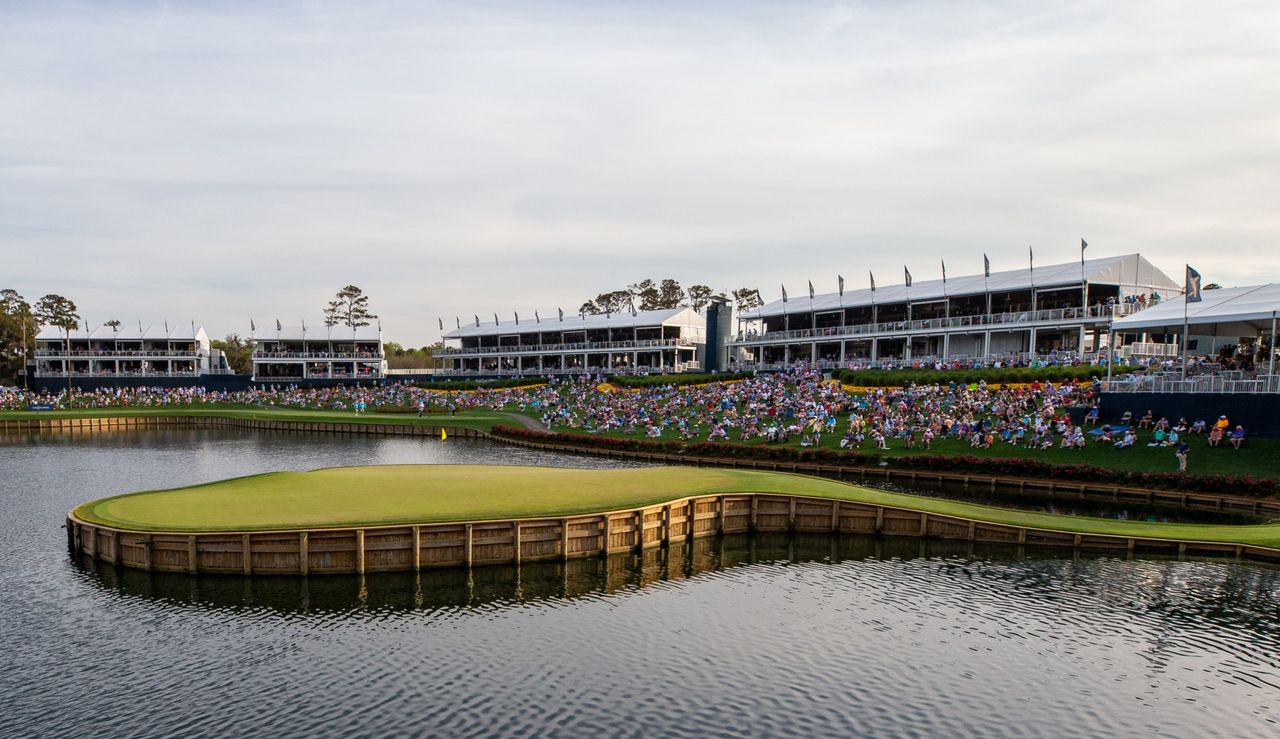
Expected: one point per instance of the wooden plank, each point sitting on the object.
(360, 551)
(246, 555)
(515, 536)
(304, 555)
(417, 548)
(193, 555)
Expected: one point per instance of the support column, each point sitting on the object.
(1081, 349)
(875, 350)
(946, 347)
(1031, 342)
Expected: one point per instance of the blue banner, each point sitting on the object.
(40, 406)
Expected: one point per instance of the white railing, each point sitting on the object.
(319, 356)
(531, 372)
(108, 375)
(157, 352)
(1054, 315)
(588, 346)
(1148, 349)
(1227, 383)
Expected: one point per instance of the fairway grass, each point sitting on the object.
(346, 497)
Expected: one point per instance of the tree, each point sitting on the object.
(18, 328)
(699, 296)
(589, 308)
(350, 307)
(670, 294)
(644, 293)
(59, 312)
(1212, 286)
(746, 298)
(239, 353)
(114, 324)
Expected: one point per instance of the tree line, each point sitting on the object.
(648, 294)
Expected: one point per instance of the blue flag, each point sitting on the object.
(1193, 286)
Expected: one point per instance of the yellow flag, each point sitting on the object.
(443, 435)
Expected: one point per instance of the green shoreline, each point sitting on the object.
(349, 497)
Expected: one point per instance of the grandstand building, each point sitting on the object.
(672, 340)
(106, 353)
(337, 353)
(1059, 308)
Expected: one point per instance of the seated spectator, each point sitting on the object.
(1108, 434)
(1222, 423)
(1128, 440)
(1199, 426)
(1181, 426)
(1145, 421)
(1091, 419)
(1215, 436)
(1237, 437)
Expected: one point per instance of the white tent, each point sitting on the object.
(1235, 311)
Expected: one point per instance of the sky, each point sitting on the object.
(222, 161)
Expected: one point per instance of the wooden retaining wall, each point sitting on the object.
(466, 544)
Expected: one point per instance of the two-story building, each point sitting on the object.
(1015, 313)
(295, 353)
(671, 340)
(123, 352)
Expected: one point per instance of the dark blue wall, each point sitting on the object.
(1258, 413)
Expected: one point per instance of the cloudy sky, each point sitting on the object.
(226, 160)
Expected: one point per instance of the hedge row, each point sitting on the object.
(1011, 466)
(480, 384)
(634, 381)
(904, 377)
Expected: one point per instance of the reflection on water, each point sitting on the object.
(765, 635)
(530, 582)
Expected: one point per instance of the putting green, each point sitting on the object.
(341, 497)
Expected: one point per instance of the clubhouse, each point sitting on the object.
(1017, 314)
(326, 353)
(671, 340)
(125, 352)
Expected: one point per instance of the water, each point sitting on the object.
(767, 635)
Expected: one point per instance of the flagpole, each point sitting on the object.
(1186, 296)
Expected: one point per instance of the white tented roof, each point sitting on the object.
(1132, 271)
(316, 332)
(128, 333)
(575, 322)
(1234, 311)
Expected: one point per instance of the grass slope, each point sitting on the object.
(483, 420)
(399, 494)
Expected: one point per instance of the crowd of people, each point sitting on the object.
(773, 408)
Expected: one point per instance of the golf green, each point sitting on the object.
(400, 494)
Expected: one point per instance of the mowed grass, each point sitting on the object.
(1259, 457)
(476, 419)
(402, 494)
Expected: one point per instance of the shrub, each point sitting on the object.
(480, 384)
(638, 381)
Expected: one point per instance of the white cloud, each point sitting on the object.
(223, 161)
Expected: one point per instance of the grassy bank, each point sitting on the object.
(401, 494)
(475, 419)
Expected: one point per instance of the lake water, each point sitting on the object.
(765, 635)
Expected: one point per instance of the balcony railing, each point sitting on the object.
(319, 356)
(986, 320)
(157, 352)
(107, 375)
(587, 346)
(570, 371)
